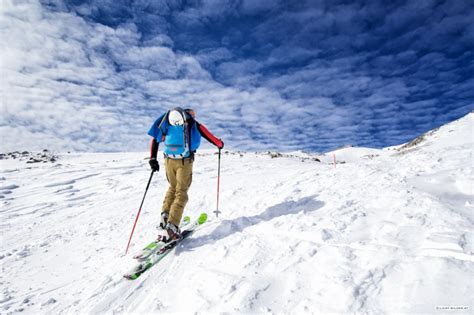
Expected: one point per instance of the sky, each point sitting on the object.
(262, 75)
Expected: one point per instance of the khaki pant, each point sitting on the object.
(180, 175)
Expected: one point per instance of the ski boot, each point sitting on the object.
(173, 231)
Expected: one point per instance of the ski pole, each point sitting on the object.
(138, 214)
(218, 183)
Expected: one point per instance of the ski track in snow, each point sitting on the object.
(381, 234)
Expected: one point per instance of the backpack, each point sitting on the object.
(177, 138)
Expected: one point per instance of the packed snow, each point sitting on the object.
(379, 231)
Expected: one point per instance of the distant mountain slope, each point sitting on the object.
(458, 132)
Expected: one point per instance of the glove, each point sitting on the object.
(222, 145)
(154, 164)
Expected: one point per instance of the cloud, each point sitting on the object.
(309, 75)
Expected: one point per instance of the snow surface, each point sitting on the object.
(387, 231)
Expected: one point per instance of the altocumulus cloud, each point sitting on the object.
(286, 75)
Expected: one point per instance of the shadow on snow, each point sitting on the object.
(228, 227)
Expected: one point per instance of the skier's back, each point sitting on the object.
(181, 135)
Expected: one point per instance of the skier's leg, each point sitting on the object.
(184, 177)
(170, 168)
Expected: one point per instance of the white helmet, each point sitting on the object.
(175, 118)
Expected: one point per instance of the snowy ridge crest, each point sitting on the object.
(457, 132)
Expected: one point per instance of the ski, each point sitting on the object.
(157, 244)
(164, 250)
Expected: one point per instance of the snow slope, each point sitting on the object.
(387, 231)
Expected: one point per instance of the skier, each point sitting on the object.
(181, 134)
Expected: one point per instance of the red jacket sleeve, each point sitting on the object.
(153, 148)
(209, 136)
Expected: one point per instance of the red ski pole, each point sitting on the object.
(218, 183)
(138, 214)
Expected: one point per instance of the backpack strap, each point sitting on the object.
(163, 121)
